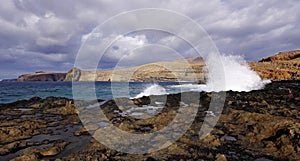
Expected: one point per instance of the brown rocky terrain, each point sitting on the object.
(282, 66)
(42, 76)
(256, 125)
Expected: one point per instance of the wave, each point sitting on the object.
(190, 87)
(153, 89)
(238, 75)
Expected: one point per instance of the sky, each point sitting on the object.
(40, 35)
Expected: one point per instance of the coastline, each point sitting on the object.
(260, 124)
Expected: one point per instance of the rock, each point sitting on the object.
(42, 76)
(81, 131)
(282, 66)
(9, 147)
(221, 157)
(211, 140)
(228, 138)
(73, 75)
(184, 70)
(51, 151)
(29, 157)
(281, 56)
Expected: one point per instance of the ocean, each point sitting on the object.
(14, 91)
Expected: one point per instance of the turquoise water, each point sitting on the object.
(13, 91)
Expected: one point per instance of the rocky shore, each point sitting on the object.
(257, 125)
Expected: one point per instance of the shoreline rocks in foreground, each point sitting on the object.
(256, 125)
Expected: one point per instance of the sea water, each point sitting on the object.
(14, 91)
(238, 77)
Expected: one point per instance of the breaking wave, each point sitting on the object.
(153, 89)
(238, 75)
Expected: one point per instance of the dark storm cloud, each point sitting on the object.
(46, 35)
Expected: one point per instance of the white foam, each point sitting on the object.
(191, 87)
(92, 106)
(238, 75)
(153, 89)
(140, 111)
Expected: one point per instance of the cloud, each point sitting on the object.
(52, 31)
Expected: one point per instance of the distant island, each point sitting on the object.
(282, 66)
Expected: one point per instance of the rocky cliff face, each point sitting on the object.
(42, 76)
(160, 71)
(282, 66)
(283, 56)
(73, 75)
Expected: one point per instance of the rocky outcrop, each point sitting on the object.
(283, 56)
(73, 75)
(282, 66)
(42, 76)
(256, 125)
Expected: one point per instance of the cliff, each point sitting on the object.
(42, 76)
(159, 71)
(282, 66)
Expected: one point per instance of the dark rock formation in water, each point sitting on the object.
(42, 76)
(256, 125)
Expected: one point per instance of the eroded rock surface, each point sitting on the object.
(256, 125)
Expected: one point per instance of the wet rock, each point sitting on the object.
(221, 157)
(81, 131)
(51, 151)
(228, 138)
(26, 157)
(9, 147)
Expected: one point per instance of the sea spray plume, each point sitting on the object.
(238, 75)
